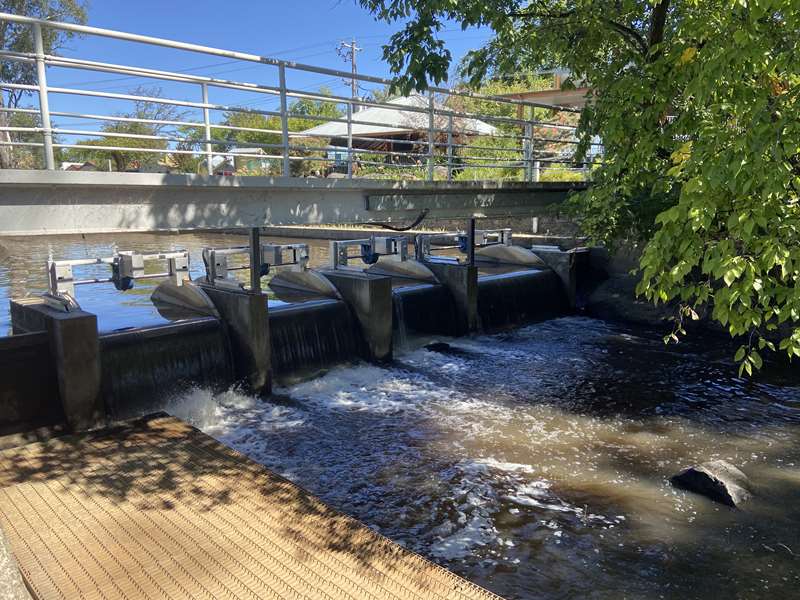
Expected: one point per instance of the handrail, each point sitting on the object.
(444, 138)
(245, 56)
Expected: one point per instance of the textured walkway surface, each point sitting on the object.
(158, 509)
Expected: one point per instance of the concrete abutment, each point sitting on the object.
(370, 298)
(75, 352)
(461, 281)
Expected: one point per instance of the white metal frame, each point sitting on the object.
(440, 121)
(124, 264)
(272, 255)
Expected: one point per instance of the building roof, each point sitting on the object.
(78, 166)
(246, 151)
(574, 98)
(388, 121)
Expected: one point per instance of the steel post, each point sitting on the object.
(430, 136)
(471, 243)
(450, 148)
(207, 123)
(349, 140)
(255, 259)
(527, 151)
(287, 171)
(44, 104)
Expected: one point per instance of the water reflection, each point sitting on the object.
(536, 462)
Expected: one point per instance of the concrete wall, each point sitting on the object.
(75, 352)
(462, 283)
(28, 384)
(246, 322)
(58, 202)
(12, 586)
(370, 298)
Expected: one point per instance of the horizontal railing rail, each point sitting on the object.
(435, 135)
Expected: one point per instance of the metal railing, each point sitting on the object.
(430, 136)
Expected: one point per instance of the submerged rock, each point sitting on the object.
(442, 347)
(718, 480)
(445, 348)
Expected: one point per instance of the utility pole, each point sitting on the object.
(348, 53)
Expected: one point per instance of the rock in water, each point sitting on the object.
(717, 479)
(442, 347)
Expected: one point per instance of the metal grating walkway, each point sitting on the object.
(157, 509)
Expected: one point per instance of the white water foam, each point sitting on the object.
(311, 441)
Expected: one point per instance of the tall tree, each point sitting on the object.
(15, 37)
(696, 103)
(123, 134)
(256, 128)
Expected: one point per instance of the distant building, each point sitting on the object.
(79, 166)
(233, 162)
(249, 163)
(572, 98)
(386, 129)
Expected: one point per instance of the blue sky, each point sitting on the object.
(305, 31)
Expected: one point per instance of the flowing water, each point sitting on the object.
(535, 462)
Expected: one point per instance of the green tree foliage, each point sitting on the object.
(505, 149)
(15, 37)
(256, 129)
(696, 102)
(303, 109)
(132, 134)
(25, 157)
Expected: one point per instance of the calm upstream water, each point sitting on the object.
(534, 463)
(23, 270)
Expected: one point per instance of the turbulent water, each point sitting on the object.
(535, 463)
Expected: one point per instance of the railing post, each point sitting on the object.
(527, 151)
(207, 123)
(287, 171)
(471, 242)
(255, 260)
(430, 136)
(44, 104)
(534, 162)
(450, 148)
(349, 140)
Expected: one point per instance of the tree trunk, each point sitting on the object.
(658, 21)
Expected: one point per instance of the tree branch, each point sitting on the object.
(537, 15)
(630, 33)
(658, 21)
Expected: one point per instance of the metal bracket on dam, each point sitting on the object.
(54, 202)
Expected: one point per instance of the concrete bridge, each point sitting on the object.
(61, 202)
